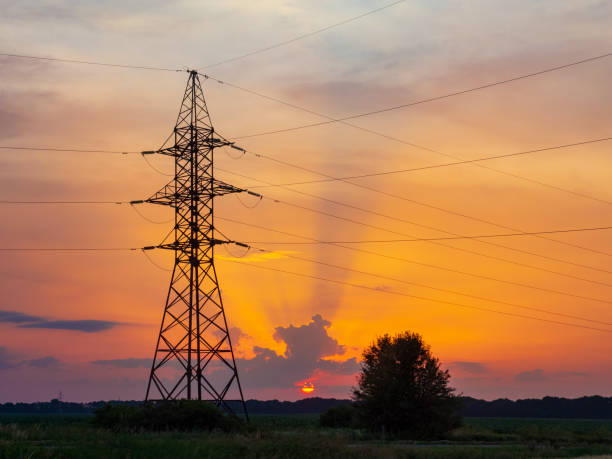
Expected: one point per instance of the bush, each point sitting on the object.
(183, 415)
(339, 416)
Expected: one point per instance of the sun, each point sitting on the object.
(307, 388)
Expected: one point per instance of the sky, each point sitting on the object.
(85, 324)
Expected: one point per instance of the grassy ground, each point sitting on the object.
(55, 436)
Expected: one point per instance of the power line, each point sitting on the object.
(382, 229)
(411, 144)
(436, 166)
(427, 265)
(386, 230)
(419, 203)
(450, 238)
(76, 61)
(68, 150)
(301, 37)
(344, 268)
(64, 202)
(406, 295)
(472, 252)
(144, 217)
(430, 99)
(68, 249)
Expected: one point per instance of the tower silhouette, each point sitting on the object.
(194, 358)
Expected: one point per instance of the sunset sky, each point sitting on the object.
(85, 323)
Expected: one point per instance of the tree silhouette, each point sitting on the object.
(402, 390)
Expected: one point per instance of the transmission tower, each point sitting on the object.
(193, 357)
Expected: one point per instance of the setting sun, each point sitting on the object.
(307, 388)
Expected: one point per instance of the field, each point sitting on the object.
(74, 436)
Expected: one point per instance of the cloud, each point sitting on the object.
(17, 317)
(571, 374)
(309, 342)
(308, 352)
(6, 360)
(536, 375)
(29, 321)
(130, 362)
(87, 326)
(43, 362)
(9, 361)
(346, 367)
(470, 367)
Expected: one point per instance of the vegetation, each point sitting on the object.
(592, 407)
(403, 391)
(178, 415)
(279, 437)
(344, 415)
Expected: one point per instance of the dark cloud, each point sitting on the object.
(9, 361)
(87, 326)
(570, 374)
(43, 362)
(130, 362)
(237, 335)
(470, 367)
(17, 317)
(308, 346)
(29, 321)
(346, 367)
(309, 342)
(536, 375)
(6, 359)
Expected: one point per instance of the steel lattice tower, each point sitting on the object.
(193, 357)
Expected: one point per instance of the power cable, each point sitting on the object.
(454, 292)
(420, 203)
(382, 229)
(160, 172)
(67, 249)
(301, 37)
(144, 217)
(436, 166)
(357, 222)
(428, 265)
(453, 238)
(412, 144)
(430, 99)
(103, 64)
(390, 292)
(64, 202)
(161, 268)
(68, 150)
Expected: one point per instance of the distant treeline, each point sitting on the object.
(594, 407)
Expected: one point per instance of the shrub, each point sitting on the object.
(183, 415)
(339, 416)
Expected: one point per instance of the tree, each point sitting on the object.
(402, 390)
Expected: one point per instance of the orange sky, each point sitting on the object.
(412, 51)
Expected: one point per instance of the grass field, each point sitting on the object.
(74, 436)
